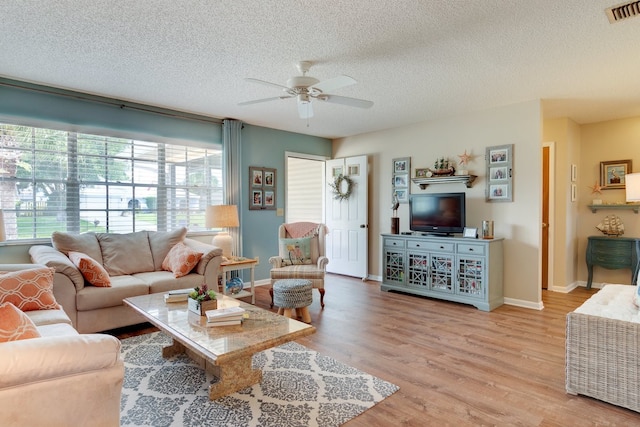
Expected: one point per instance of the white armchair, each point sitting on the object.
(284, 267)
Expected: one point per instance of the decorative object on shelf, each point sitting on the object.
(234, 286)
(400, 179)
(202, 299)
(442, 167)
(611, 225)
(423, 173)
(487, 230)
(500, 173)
(464, 161)
(596, 189)
(262, 195)
(395, 221)
(222, 216)
(470, 233)
(612, 173)
(337, 187)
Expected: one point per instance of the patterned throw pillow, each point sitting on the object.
(91, 270)
(15, 325)
(181, 259)
(295, 251)
(30, 289)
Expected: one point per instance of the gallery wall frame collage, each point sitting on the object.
(499, 173)
(262, 195)
(400, 179)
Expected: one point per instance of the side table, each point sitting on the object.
(236, 264)
(613, 253)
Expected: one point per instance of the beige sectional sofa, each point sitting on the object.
(133, 262)
(62, 378)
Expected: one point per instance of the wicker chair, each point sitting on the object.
(285, 267)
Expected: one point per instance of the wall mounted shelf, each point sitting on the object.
(595, 208)
(467, 180)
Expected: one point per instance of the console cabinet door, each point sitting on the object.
(394, 261)
(471, 276)
(418, 269)
(442, 272)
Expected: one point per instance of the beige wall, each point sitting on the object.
(605, 141)
(517, 222)
(564, 138)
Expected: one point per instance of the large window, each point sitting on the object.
(53, 180)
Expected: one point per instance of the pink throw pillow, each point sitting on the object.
(15, 325)
(30, 289)
(180, 260)
(91, 269)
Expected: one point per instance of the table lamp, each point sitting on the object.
(3, 235)
(632, 187)
(222, 216)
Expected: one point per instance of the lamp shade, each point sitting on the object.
(632, 187)
(221, 216)
(3, 235)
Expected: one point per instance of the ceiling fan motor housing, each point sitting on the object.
(301, 82)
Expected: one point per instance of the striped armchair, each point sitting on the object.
(301, 255)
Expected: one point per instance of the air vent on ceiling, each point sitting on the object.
(623, 11)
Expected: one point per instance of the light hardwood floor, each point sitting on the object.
(455, 365)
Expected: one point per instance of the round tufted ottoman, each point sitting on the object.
(293, 295)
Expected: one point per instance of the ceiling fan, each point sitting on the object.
(305, 88)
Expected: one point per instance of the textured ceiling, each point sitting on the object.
(416, 60)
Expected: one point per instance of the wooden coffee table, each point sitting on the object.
(224, 351)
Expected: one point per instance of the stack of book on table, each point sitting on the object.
(178, 295)
(225, 316)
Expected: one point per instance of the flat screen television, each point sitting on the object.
(437, 213)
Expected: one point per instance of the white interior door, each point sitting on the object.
(347, 220)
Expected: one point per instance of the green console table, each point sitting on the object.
(613, 253)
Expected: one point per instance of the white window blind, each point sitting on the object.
(53, 180)
(305, 186)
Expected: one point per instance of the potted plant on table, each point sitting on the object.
(202, 299)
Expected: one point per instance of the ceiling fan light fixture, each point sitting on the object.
(303, 98)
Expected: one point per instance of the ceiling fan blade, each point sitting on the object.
(257, 101)
(335, 83)
(305, 110)
(263, 82)
(343, 100)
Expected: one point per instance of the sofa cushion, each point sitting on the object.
(181, 259)
(165, 281)
(125, 253)
(90, 269)
(161, 243)
(48, 317)
(15, 325)
(93, 298)
(86, 243)
(57, 330)
(30, 289)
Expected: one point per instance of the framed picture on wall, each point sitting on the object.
(612, 174)
(400, 178)
(499, 173)
(262, 194)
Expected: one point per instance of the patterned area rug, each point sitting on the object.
(299, 387)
